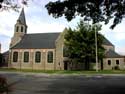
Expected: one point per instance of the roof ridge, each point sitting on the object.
(44, 33)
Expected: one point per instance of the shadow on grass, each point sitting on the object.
(83, 72)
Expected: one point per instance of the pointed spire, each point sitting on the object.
(21, 18)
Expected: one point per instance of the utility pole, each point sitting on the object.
(96, 49)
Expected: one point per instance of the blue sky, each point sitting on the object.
(39, 21)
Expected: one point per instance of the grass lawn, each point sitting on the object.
(64, 71)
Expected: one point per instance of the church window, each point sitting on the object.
(50, 57)
(38, 57)
(109, 62)
(26, 56)
(15, 56)
(17, 28)
(21, 28)
(117, 62)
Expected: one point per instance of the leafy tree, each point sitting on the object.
(80, 44)
(95, 10)
(11, 4)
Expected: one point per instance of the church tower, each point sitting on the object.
(20, 29)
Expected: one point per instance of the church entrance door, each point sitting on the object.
(65, 65)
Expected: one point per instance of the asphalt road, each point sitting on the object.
(64, 84)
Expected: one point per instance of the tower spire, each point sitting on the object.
(20, 29)
(21, 18)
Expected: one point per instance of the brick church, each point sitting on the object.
(44, 51)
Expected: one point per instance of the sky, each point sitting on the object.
(38, 21)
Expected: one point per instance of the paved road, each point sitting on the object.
(62, 84)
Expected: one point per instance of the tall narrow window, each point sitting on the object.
(15, 56)
(50, 57)
(38, 57)
(17, 28)
(26, 56)
(109, 62)
(117, 62)
(21, 28)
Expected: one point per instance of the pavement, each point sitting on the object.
(37, 83)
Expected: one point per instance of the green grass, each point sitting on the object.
(64, 72)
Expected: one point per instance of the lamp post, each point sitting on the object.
(96, 49)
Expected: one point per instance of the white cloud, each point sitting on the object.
(121, 50)
(118, 32)
(38, 27)
(5, 41)
(7, 22)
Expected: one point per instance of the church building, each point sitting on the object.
(44, 51)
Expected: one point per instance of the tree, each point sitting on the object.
(95, 10)
(80, 44)
(11, 4)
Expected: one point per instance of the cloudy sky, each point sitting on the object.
(39, 21)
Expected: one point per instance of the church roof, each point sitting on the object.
(112, 54)
(37, 41)
(22, 17)
(107, 42)
(44, 41)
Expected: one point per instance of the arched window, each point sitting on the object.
(50, 57)
(15, 56)
(65, 54)
(117, 62)
(21, 28)
(38, 57)
(17, 28)
(109, 62)
(26, 56)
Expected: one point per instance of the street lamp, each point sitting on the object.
(96, 49)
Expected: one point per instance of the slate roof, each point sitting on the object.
(107, 42)
(22, 17)
(43, 41)
(37, 41)
(112, 54)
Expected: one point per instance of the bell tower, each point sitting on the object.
(20, 29)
